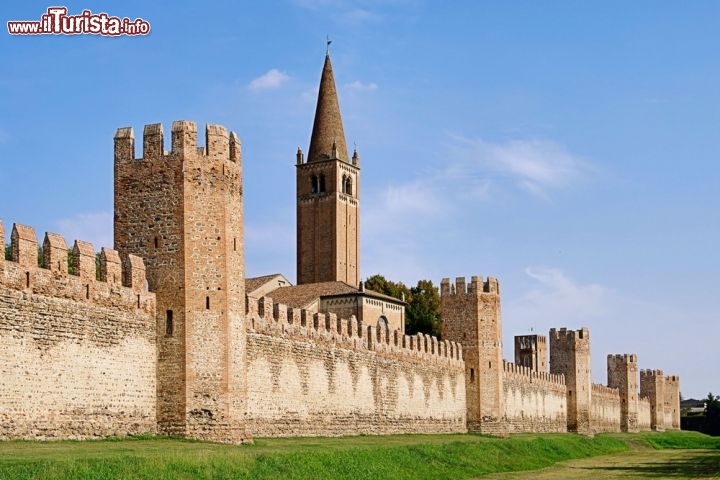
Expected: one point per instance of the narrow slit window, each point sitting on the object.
(234, 244)
(87, 291)
(207, 303)
(27, 279)
(472, 375)
(314, 184)
(156, 242)
(169, 327)
(322, 184)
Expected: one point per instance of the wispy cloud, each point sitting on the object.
(358, 86)
(359, 16)
(536, 166)
(271, 80)
(96, 228)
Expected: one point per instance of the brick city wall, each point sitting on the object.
(534, 401)
(320, 375)
(77, 355)
(604, 409)
(644, 414)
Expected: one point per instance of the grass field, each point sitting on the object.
(413, 457)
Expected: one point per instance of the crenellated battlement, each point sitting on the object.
(220, 144)
(512, 369)
(277, 319)
(622, 359)
(648, 373)
(564, 335)
(121, 284)
(608, 392)
(476, 286)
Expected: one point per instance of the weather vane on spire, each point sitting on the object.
(327, 47)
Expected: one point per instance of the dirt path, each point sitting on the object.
(638, 463)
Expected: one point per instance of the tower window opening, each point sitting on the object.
(156, 242)
(342, 184)
(348, 186)
(472, 375)
(169, 327)
(87, 291)
(234, 244)
(314, 184)
(27, 279)
(322, 183)
(207, 303)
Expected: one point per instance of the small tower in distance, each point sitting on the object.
(652, 386)
(570, 356)
(531, 351)
(622, 371)
(328, 197)
(471, 317)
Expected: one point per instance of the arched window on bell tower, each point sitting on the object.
(349, 186)
(343, 184)
(322, 183)
(314, 184)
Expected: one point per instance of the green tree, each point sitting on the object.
(712, 414)
(423, 310)
(380, 284)
(422, 313)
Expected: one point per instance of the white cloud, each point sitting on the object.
(96, 228)
(358, 16)
(271, 80)
(535, 166)
(561, 299)
(358, 86)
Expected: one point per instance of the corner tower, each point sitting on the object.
(182, 212)
(328, 197)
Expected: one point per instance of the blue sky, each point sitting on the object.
(568, 148)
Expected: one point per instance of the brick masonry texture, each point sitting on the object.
(77, 356)
(312, 374)
(534, 400)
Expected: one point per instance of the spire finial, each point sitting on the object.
(327, 47)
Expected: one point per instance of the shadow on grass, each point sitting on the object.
(699, 464)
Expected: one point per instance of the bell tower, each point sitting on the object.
(328, 196)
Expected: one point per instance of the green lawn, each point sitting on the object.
(413, 457)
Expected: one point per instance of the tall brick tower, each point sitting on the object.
(182, 212)
(328, 197)
(570, 355)
(622, 371)
(471, 317)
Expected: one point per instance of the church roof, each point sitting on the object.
(327, 128)
(258, 286)
(301, 296)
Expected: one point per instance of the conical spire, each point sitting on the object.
(327, 133)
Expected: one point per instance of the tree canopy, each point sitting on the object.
(422, 313)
